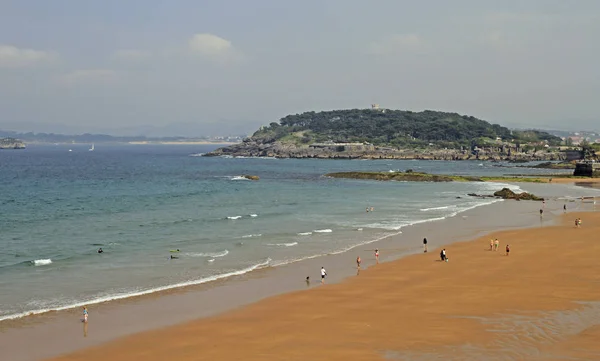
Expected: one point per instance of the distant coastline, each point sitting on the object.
(52, 138)
(183, 142)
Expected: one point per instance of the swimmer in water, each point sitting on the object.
(174, 257)
(100, 250)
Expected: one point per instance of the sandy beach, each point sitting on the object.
(541, 302)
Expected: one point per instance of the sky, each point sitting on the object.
(227, 67)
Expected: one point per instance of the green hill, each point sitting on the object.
(398, 128)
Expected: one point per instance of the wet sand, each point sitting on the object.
(541, 302)
(578, 181)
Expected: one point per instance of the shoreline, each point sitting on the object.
(480, 221)
(454, 312)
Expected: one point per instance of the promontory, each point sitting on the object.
(393, 134)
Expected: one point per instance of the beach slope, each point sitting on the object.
(541, 302)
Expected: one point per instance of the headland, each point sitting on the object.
(394, 134)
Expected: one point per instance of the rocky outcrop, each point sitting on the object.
(551, 165)
(397, 176)
(506, 193)
(11, 143)
(258, 148)
(407, 176)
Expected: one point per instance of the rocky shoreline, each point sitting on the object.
(253, 148)
(11, 143)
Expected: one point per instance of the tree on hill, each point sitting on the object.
(393, 127)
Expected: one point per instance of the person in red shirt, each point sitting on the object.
(507, 249)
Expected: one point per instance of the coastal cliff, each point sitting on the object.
(254, 148)
(11, 143)
(393, 134)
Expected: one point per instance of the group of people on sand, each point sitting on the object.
(578, 222)
(495, 245)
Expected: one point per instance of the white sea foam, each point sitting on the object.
(291, 244)
(304, 233)
(436, 208)
(251, 235)
(41, 262)
(253, 215)
(345, 249)
(208, 254)
(136, 293)
(239, 178)
(396, 226)
(197, 155)
(322, 231)
(234, 217)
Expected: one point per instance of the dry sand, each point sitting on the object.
(481, 305)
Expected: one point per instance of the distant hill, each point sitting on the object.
(398, 128)
(31, 137)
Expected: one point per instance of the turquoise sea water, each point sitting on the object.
(139, 202)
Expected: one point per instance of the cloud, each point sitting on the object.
(396, 43)
(13, 57)
(215, 49)
(129, 55)
(96, 76)
(209, 44)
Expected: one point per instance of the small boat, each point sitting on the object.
(92, 148)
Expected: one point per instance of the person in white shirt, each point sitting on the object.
(323, 274)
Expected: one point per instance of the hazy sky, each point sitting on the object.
(108, 64)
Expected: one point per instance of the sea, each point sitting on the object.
(166, 217)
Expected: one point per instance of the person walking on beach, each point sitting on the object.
(358, 260)
(424, 245)
(323, 275)
(85, 314)
(565, 208)
(507, 249)
(491, 244)
(377, 255)
(496, 244)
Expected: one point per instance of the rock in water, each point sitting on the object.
(506, 193)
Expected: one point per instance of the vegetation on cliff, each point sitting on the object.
(397, 128)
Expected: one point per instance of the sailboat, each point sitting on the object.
(92, 148)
